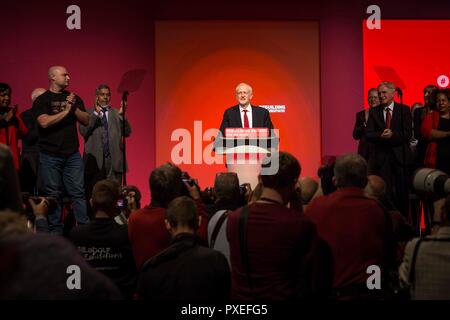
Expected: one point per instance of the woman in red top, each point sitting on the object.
(12, 127)
(436, 128)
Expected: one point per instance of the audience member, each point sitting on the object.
(104, 243)
(424, 270)
(353, 225)
(186, 270)
(227, 194)
(146, 229)
(264, 268)
(46, 267)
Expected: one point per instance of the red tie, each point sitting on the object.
(246, 125)
(388, 118)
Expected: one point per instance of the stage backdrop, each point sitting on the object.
(199, 64)
(411, 53)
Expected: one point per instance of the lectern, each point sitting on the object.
(244, 150)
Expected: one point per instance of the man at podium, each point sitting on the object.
(244, 115)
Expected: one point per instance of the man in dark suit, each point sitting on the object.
(389, 129)
(359, 131)
(244, 115)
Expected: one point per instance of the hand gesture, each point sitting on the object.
(11, 113)
(387, 134)
(41, 208)
(71, 99)
(193, 190)
(122, 107)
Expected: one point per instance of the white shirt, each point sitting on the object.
(249, 115)
(391, 108)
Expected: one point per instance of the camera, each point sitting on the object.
(52, 202)
(431, 183)
(186, 178)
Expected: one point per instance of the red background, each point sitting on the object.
(120, 36)
(411, 53)
(199, 64)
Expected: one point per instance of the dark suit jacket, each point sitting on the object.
(381, 148)
(232, 118)
(186, 271)
(93, 145)
(359, 133)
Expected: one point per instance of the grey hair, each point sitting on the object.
(350, 170)
(387, 84)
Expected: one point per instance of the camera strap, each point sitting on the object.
(217, 228)
(242, 220)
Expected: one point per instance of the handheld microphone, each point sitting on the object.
(399, 91)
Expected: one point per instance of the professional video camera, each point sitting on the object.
(431, 183)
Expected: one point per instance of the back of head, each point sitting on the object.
(165, 184)
(350, 170)
(376, 187)
(288, 171)
(105, 195)
(12, 223)
(226, 187)
(41, 267)
(182, 212)
(308, 187)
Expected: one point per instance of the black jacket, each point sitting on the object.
(359, 133)
(232, 118)
(105, 245)
(185, 271)
(398, 143)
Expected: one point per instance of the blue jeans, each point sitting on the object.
(61, 174)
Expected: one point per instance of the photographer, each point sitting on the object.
(148, 235)
(104, 243)
(272, 260)
(425, 266)
(40, 207)
(129, 202)
(228, 198)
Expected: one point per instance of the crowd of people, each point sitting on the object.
(292, 237)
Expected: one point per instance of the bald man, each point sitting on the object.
(308, 187)
(29, 162)
(57, 112)
(244, 115)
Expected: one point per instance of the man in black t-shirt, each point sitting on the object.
(57, 112)
(103, 243)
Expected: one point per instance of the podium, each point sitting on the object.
(244, 150)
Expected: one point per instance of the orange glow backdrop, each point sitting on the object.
(199, 64)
